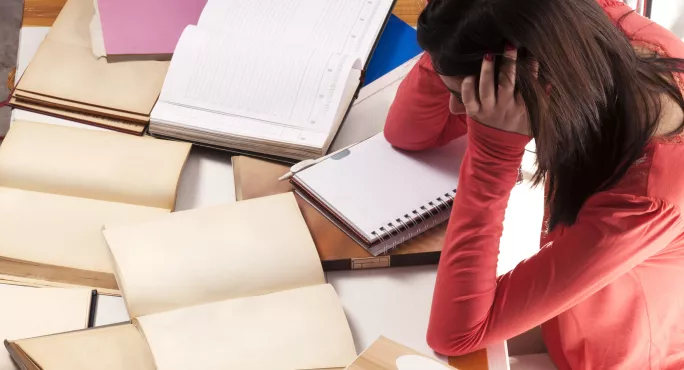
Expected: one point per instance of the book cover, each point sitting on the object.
(146, 27)
(397, 45)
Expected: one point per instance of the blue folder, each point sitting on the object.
(397, 45)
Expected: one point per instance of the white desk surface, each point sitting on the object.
(392, 302)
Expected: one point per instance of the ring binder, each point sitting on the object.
(423, 219)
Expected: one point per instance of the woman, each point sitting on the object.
(598, 89)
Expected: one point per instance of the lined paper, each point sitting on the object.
(292, 85)
(335, 25)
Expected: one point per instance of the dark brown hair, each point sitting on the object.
(605, 100)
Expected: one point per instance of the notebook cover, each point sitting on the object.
(135, 27)
(397, 45)
(256, 178)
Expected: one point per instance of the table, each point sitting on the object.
(393, 302)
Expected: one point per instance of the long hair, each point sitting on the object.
(605, 98)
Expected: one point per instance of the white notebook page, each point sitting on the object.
(376, 183)
(292, 86)
(342, 26)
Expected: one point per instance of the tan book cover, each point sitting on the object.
(210, 289)
(385, 354)
(256, 178)
(65, 78)
(60, 185)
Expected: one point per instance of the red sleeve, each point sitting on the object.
(419, 117)
(472, 308)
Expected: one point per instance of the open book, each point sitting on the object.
(271, 77)
(230, 287)
(60, 185)
(66, 80)
(29, 312)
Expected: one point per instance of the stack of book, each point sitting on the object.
(66, 80)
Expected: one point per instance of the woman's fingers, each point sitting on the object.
(487, 89)
(535, 68)
(507, 73)
(469, 97)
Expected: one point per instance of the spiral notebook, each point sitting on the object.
(382, 196)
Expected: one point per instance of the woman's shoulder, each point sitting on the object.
(656, 174)
(642, 31)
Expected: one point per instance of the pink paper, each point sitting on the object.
(133, 27)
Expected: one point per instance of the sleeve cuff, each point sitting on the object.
(498, 143)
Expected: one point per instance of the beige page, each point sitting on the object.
(302, 328)
(92, 164)
(61, 230)
(119, 347)
(208, 255)
(65, 67)
(30, 312)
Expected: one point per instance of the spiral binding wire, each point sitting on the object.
(420, 218)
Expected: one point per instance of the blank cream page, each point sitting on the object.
(60, 230)
(303, 328)
(31, 312)
(92, 164)
(187, 258)
(119, 347)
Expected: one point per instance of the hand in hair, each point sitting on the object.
(501, 108)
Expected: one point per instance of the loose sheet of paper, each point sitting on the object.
(303, 328)
(31, 312)
(208, 255)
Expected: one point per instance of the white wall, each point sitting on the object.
(668, 13)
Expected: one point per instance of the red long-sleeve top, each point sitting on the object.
(609, 290)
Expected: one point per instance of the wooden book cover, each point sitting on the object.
(256, 178)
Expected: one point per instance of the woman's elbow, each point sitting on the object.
(448, 344)
(402, 139)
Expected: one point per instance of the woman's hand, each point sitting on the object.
(503, 109)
